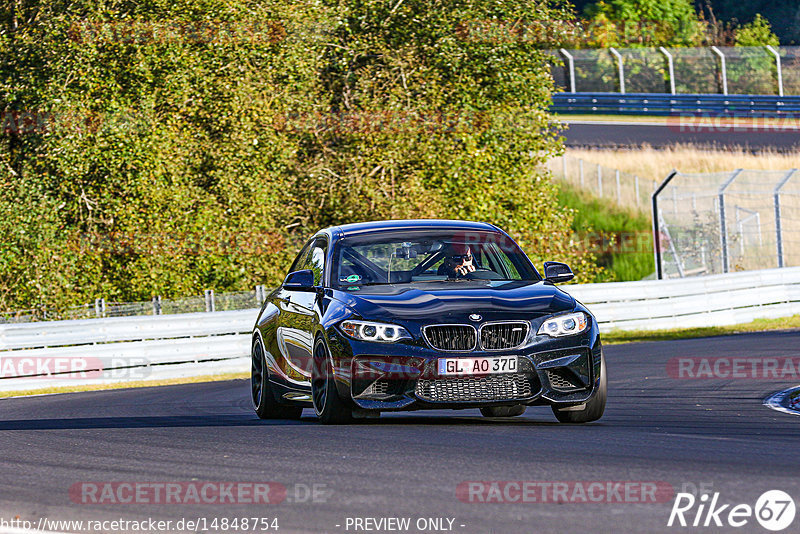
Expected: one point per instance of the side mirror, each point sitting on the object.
(557, 272)
(300, 280)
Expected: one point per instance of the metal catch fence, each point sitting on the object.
(715, 223)
(755, 70)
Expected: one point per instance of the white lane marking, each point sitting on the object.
(775, 401)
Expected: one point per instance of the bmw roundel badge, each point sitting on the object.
(475, 317)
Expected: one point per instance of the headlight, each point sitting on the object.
(565, 325)
(369, 331)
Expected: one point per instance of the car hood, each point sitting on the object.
(455, 301)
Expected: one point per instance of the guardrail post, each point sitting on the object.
(777, 201)
(261, 294)
(619, 192)
(656, 229)
(723, 227)
(620, 69)
(670, 68)
(723, 70)
(209, 294)
(778, 65)
(100, 307)
(157, 305)
(571, 67)
(599, 180)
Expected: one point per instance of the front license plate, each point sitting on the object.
(477, 366)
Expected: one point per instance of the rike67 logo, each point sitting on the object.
(774, 510)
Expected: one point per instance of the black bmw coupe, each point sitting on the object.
(424, 314)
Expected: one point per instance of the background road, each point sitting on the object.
(630, 134)
(656, 428)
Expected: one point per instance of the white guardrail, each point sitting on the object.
(122, 349)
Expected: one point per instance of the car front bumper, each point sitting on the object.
(404, 376)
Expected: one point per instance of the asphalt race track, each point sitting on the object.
(631, 134)
(713, 433)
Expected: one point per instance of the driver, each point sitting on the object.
(458, 262)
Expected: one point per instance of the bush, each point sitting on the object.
(167, 147)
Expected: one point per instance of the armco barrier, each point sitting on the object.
(123, 349)
(166, 346)
(715, 300)
(669, 104)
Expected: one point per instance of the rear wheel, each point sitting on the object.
(329, 407)
(503, 411)
(591, 410)
(261, 393)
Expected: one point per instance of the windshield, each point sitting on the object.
(411, 257)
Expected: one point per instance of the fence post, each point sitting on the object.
(209, 294)
(656, 229)
(600, 180)
(723, 228)
(674, 201)
(670, 68)
(157, 305)
(778, 65)
(723, 69)
(100, 307)
(564, 165)
(571, 67)
(619, 192)
(261, 294)
(777, 201)
(620, 69)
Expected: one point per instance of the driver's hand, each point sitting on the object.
(465, 269)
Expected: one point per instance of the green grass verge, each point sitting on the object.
(595, 217)
(124, 385)
(759, 325)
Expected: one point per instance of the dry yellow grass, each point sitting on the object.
(656, 164)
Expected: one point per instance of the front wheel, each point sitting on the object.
(592, 410)
(261, 393)
(330, 408)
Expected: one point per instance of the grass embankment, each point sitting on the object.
(655, 164)
(759, 325)
(629, 256)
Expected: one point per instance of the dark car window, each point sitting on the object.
(391, 258)
(302, 258)
(313, 257)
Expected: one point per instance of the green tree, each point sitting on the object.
(191, 144)
(644, 23)
(756, 33)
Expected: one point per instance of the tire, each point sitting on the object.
(329, 407)
(503, 411)
(594, 408)
(260, 391)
